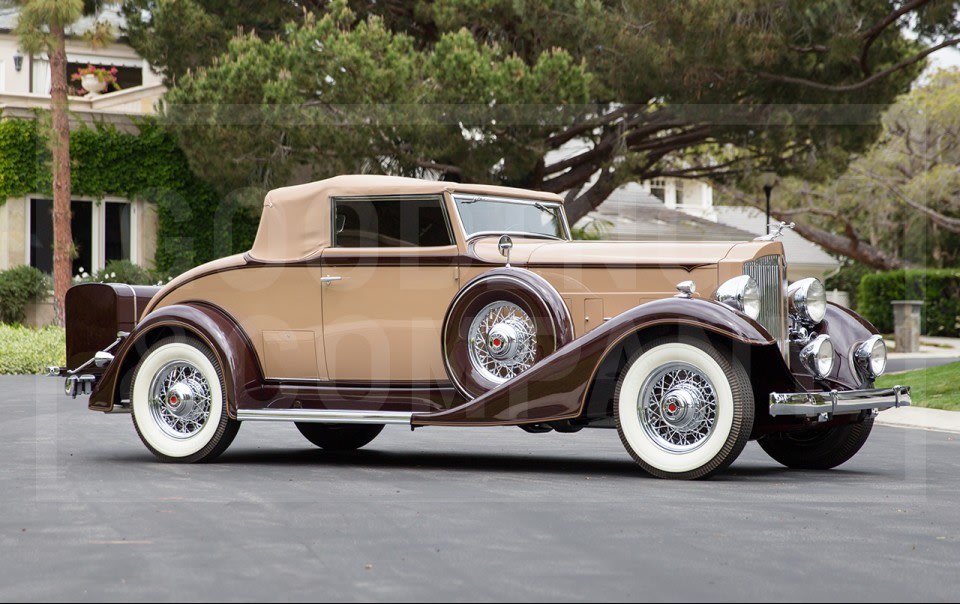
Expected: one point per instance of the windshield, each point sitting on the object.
(500, 215)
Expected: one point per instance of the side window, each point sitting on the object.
(390, 222)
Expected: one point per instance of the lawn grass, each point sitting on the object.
(24, 350)
(936, 387)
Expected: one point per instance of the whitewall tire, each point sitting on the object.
(179, 403)
(683, 409)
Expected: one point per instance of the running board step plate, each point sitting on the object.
(324, 417)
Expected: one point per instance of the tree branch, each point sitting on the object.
(871, 35)
(949, 223)
(582, 204)
(863, 83)
(850, 245)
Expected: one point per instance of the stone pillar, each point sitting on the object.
(906, 325)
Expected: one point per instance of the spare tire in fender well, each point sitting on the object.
(517, 286)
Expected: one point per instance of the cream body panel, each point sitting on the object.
(273, 299)
(382, 322)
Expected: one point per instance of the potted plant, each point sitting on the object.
(96, 79)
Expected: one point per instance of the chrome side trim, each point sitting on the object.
(837, 401)
(325, 417)
(136, 311)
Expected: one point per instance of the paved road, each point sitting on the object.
(457, 514)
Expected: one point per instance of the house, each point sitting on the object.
(103, 229)
(672, 209)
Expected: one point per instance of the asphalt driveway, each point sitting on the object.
(457, 514)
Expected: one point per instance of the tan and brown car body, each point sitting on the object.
(297, 323)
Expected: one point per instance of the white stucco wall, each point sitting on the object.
(14, 82)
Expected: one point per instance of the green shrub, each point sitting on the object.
(123, 271)
(939, 289)
(24, 350)
(18, 287)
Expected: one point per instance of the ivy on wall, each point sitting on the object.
(195, 225)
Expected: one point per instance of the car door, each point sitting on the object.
(389, 276)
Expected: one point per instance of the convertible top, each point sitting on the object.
(295, 223)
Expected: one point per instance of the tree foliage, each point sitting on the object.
(195, 225)
(569, 96)
(898, 204)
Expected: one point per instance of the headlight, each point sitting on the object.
(871, 356)
(742, 294)
(817, 356)
(808, 301)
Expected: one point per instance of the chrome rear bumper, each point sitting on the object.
(838, 401)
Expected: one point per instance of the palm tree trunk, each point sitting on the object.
(62, 235)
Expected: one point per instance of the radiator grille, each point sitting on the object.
(769, 273)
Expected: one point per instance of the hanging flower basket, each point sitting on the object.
(96, 79)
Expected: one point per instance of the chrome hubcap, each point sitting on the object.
(180, 399)
(502, 341)
(678, 407)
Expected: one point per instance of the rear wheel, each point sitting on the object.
(683, 409)
(817, 449)
(178, 402)
(339, 437)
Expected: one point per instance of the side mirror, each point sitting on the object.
(505, 245)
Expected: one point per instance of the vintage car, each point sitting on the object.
(373, 300)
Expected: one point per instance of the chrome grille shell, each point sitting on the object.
(770, 274)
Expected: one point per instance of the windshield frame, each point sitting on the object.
(556, 207)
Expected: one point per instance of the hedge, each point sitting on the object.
(18, 287)
(195, 224)
(24, 350)
(939, 289)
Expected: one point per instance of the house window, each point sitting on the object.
(658, 188)
(116, 231)
(679, 186)
(101, 232)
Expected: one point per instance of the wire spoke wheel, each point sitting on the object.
(179, 402)
(502, 341)
(683, 407)
(678, 407)
(180, 399)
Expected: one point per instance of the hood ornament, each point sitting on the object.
(777, 231)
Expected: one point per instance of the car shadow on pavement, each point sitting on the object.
(493, 463)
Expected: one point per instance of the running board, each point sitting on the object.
(325, 417)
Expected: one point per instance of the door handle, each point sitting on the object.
(329, 279)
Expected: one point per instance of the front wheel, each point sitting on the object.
(178, 401)
(683, 409)
(817, 449)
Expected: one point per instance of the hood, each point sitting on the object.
(537, 252)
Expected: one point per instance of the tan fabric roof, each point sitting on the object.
(295, 223)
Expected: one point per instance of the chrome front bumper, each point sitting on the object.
(838, 401)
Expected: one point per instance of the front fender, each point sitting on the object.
(556, 388)
(847, 330)
(212, 325)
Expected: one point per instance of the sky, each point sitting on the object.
(948, 57)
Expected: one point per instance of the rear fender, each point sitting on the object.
(207, 322)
